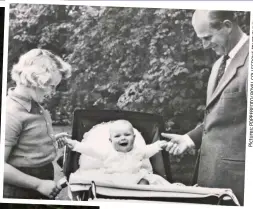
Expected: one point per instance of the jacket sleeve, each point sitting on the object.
(196, 135)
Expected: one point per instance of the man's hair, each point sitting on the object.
(218, 17)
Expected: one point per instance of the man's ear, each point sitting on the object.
(228, 25)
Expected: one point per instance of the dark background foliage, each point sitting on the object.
(146, 60)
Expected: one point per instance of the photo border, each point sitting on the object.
(223, 5)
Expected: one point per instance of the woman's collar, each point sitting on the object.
(24, 101)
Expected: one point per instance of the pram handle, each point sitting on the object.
(61, 184)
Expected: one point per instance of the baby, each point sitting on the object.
(124, 160)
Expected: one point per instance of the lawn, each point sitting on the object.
(182, 171)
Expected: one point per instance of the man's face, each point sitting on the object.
(216, 39)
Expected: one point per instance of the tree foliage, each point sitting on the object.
(138, 59)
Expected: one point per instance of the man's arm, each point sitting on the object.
(196, 135)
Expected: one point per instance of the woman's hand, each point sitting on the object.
(61, 139)
(17, 178)
(49, 188)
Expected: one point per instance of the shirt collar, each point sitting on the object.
(25, 102)
(237, 47)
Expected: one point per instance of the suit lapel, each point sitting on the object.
(212, 80)
(236, 62)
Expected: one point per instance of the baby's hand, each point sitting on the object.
(70, 143)
(61, 138)
(162, 144)
(178, 184)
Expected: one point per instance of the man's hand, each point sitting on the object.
(178, 144)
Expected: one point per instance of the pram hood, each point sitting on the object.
(149, 125)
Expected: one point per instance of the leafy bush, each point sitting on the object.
(146, 60)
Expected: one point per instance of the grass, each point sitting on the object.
(182, 171)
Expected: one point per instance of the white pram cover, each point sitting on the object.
(91, 168)
(85, 178)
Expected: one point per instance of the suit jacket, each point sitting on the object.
(222, 135)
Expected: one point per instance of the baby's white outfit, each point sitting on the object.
(121, 168)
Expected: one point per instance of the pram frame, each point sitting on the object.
(90, 192)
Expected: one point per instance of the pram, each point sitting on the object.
(150, 126)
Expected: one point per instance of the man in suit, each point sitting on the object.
(221, 137)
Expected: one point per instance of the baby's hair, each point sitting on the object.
(34, 68)
(119, 122)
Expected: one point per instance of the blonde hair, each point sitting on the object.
(34, 68)
(120, 122)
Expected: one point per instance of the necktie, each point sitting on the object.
(221, 69)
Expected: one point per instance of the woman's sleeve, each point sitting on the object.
(13, 129)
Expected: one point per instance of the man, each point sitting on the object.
(222, 135)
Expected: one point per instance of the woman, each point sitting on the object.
(30, 145)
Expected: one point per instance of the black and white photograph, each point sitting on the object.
(126, 103)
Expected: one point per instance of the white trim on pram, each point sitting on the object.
(152, 192)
